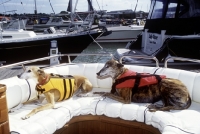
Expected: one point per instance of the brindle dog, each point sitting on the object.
(172, 92)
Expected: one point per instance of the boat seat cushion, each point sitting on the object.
(48, 121)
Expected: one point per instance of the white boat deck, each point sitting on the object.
(121, 33)
(121, 28)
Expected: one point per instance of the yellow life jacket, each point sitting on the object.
(65, 85)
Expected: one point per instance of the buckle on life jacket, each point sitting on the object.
(39, 89)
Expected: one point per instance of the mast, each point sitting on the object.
(135, 8)
(35, 8)
(69, 8)
(90, 7)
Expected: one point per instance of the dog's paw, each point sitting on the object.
(11, 111)
(94, 94)
(99, 93)
(107, 94)
(25, 117)
(152, 108)
(81, 95)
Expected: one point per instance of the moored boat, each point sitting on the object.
(19, 45)
(171, 29)
(95, 114)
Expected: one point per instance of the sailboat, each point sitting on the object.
(70, 20)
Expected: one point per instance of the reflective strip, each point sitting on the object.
(70, 85)
(65, 89)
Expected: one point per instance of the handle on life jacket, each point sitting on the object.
(60, 76)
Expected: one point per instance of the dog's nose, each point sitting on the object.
(18, 76)
(98, 73)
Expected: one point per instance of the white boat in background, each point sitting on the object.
(118, 32)
(54, 21)
(121, 33)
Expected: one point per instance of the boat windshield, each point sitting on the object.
(174, 9)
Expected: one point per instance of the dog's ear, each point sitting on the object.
(119, 65)
(41, 72)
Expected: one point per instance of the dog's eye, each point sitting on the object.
(29, 71)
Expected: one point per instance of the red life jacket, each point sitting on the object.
(131, 79)
(146, 79)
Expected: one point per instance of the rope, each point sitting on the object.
(145, 111)
(100, 45)
(103, 98)
(181, 129)
(29, 89)
(65, 108)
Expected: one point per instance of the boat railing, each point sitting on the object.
(23, 63)
(179, 59)
(140, 57)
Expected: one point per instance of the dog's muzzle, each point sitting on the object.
(98, 73)
(19, 76)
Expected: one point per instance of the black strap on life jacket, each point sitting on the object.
(64, 77)
(137, 83)
(137, 78)
(65, 89)
(39, 89)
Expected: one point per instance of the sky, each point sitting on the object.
(43, 6)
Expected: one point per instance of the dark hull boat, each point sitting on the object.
(27, 49)
(171, 30)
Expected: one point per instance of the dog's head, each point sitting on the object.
(32, 73)
(112, 68)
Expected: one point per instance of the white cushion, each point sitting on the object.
(18, 91)
(48, 121)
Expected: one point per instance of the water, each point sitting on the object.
(110, 48)
(94, 48)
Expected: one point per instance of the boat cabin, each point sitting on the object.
(171, 29)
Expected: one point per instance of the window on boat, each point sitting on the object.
(157, 9)
(194, 9)
(7, 36)
(56, 20)
(171, 10)
(174, 9)
(163, 9)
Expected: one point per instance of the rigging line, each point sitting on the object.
(111, 55)
(4, 5)
(22, 6)
(100, 9)
(98, 5)
(51, 6)
(4, 2)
